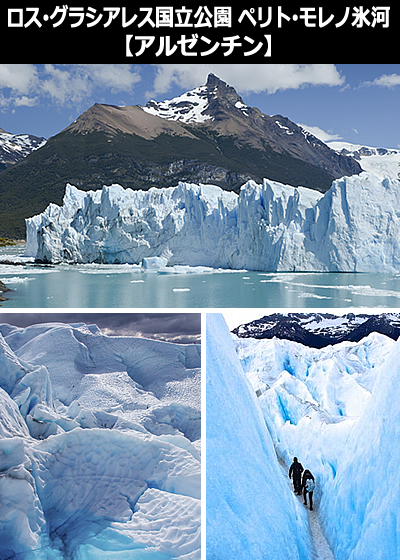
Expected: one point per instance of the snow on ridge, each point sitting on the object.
(283, 127)
(21, 144)
(338, 323)
(243, 107)
(188, 107)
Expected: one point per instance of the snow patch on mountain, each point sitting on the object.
(320, 329)
(99, 445)
(14, 147)
(383, 162)
(354, 227)
(195, 106)
(187, 108)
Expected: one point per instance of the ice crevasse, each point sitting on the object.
(251, 511)
(336, 409)
(353, 227)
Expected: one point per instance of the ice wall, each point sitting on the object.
(354, 227)
(251, 512)
(363, 514)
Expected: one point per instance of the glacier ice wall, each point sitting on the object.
(251, 512)
(366, 491)
(354, 227)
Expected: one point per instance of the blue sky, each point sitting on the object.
(356, 103)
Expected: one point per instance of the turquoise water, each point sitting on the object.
(103, 286)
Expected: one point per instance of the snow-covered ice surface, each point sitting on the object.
(99, 446)
(354, 227)
(337, 410)
(384, 162)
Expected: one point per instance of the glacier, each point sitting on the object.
(250, 510)
(353, 227)
(335, 408)
(100, 440)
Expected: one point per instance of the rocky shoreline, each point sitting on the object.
(6, 242)
(3, 289)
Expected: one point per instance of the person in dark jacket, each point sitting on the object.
(295, 471)
(308, 485)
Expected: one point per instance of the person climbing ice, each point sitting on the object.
(308, 485)
(296, 469)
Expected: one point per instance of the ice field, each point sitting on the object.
(99, 445)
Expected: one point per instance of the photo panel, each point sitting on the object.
(100, 434)
(302, 424)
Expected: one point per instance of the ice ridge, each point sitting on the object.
(93, 464)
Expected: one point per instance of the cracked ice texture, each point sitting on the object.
(354, 227)
(99, 445)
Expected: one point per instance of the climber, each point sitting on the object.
(308, 485)
(296, 469)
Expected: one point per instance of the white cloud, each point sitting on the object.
(388, 81)
(117, 77)
(325, 136)
(72, 84)
(25, 101)
(17, 82)
(20, 78)
(248, 78)
(64, 85)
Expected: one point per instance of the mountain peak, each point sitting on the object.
(199, 104)
(216, 86)
(213, 80)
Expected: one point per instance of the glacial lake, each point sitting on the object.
(120, 286)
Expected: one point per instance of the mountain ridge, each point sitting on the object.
(131, 119)
(230, 144)
(318, 330)
(15, 147)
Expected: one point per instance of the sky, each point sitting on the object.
(357, 103)
(182, 328)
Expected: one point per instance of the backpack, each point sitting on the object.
(310, 485)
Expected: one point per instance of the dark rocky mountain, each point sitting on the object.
(320, 329)
(208, 135)
(216, 107)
